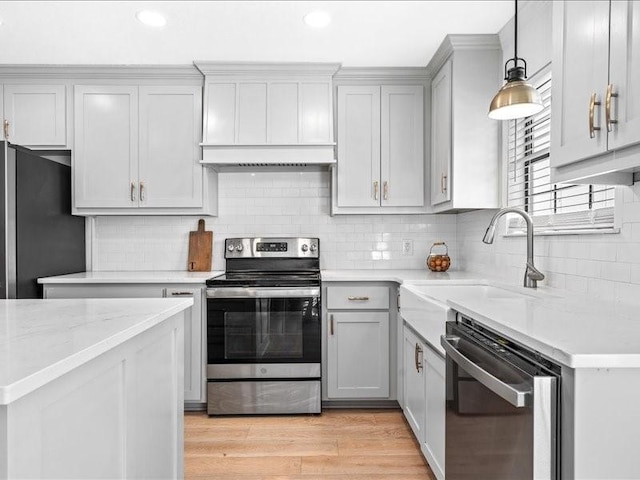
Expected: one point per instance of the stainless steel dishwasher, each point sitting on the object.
(502, 408)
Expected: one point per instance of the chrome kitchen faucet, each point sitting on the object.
(531, 273)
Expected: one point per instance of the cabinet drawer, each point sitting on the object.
(358, 297)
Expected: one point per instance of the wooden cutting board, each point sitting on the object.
(200, 248)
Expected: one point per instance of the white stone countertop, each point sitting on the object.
(399, 276)
(573, 330)
(41, 340)
(168, 276)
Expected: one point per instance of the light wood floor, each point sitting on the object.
(336, 445)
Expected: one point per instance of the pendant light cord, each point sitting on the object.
(515, 34)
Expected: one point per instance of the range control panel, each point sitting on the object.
(272, 247)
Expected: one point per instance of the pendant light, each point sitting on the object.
(516, 99)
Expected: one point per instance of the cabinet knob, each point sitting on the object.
(331, 324)
(385, 190)
(358, 299)
(6, 129)
(142, 193)
(133, 192)
(375, 190)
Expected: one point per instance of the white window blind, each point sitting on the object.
(553, 207)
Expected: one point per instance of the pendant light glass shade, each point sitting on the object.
(516, 99)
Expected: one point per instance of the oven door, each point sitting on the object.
(500, 419)
(263, 325)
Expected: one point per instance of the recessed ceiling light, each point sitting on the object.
(317, 19)
(150, 18)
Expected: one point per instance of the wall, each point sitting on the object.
(602, 266)
(272, 204)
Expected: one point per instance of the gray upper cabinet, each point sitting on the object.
(465, 158)
(267, 113)
(105, 173)
(595, 124)
(136, 151)
(35, 115)
(381, 143)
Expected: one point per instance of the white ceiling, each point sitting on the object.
(362, 33)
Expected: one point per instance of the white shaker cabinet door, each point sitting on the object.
(415, 404)
(105, 159)
(358, 355)
(193, 343)
(36, 115)
(624, 76)
(169, 173)
(359, 146)
(580, 70)
(434, 432)
(402, 146)
(441, 135)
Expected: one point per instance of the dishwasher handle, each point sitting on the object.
(515, 396)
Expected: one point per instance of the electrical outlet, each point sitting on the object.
(407, 247)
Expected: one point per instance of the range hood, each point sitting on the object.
(268, 155)
(268, 114)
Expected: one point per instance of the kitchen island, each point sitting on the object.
(91, 388)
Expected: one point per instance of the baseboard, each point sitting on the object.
(360, 404)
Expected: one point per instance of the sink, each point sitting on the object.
(442, 293)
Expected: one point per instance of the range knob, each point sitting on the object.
(304, 247)
(231, 248)
(239, 247)
(313, 247)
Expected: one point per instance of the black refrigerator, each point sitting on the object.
(39, 237)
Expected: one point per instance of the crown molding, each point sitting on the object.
(382, 74)
(451, 43)
(262, 70)
(155, 72)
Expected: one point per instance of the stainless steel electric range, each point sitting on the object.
(263, 328)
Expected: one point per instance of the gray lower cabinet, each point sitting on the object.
(424, 397)
(358, 339)
(194, 329)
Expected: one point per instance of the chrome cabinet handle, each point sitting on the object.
(443, 183)
(607, 108)
(515, 396)
(385, 190)
(358, 299)
(592, 108)
(133, 191)
(417, 352)
(182, 294)
(331, 323)
(375, 190)
(6, 129)
(142, 191)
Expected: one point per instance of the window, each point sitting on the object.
(553, 207)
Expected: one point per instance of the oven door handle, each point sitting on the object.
(512, 394)
(247, 292)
